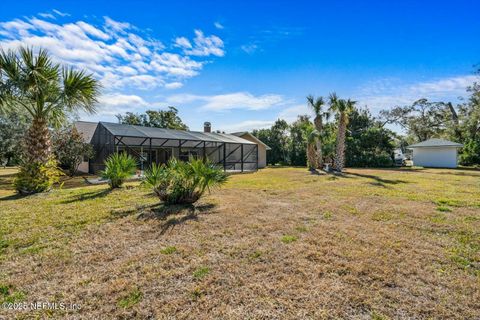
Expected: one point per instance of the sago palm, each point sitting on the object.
(317, 105)
(30, 81)
(343, 108)
(118, 168)
(180, 182)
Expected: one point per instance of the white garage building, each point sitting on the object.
(435, 153)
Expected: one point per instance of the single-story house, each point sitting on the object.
(262, 147)
(148, 145)
(437, 153)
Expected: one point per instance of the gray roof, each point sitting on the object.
(242, 133)
(87, 129)
(435, 143)
(161, 133)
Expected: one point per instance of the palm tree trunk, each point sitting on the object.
(311, 156)
(37, 146)
(319, 155)
(340, 152)
(318, 143)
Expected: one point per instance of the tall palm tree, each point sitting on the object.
(317, 104)
(343, 108)
(48, 92)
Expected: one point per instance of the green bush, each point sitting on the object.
(118, 168)
(470, 153)
(183, 182)
(370, 159)
(37, 177)
(70, 149)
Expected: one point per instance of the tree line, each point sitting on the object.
(355, 138)
(366, 142)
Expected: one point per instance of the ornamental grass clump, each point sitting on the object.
(118, 168)
(180, 182)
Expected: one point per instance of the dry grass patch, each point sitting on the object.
(370, 244)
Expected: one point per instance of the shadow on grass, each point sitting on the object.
(378, 181)
(334, 175)
(440, 171)
(15, 196)
(172, 215)
(316, 172)
(285, 166)
(454, 172)
(88, 196)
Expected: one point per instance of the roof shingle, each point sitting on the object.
(435, 143)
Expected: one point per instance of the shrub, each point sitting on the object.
(70, 149)
(118, 168)
(471, 153)
(183, 182)
(37, 177)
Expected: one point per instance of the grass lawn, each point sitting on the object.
(279, 243)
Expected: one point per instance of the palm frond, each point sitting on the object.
(333, 99)
(80, 91)
(316, 104)
(31, 80)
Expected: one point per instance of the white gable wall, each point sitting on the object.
(440, 157)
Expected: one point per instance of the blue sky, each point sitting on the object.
(241, 65)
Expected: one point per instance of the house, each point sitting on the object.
(148, 145)
(437, 153)
(262, 147)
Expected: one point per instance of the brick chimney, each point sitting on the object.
(207, 127)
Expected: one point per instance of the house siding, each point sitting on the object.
(442, 157)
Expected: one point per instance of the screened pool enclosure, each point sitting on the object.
(155, 145)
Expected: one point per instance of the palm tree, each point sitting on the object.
(48, 92)
(343, 109)
(317, 106)
(312, 157)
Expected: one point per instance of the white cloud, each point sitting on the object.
(173, 85)
(112, 104)
(291, 114)
(204, 45)
(61, 14)
(218, 25)
(229, 101)
(249, 48)
(115, 52)
(116, 26)
(387, 93)
(91, 30)
(453, 85)
(117, 99)
(247, 125)
(47, 15)
(183, 42)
